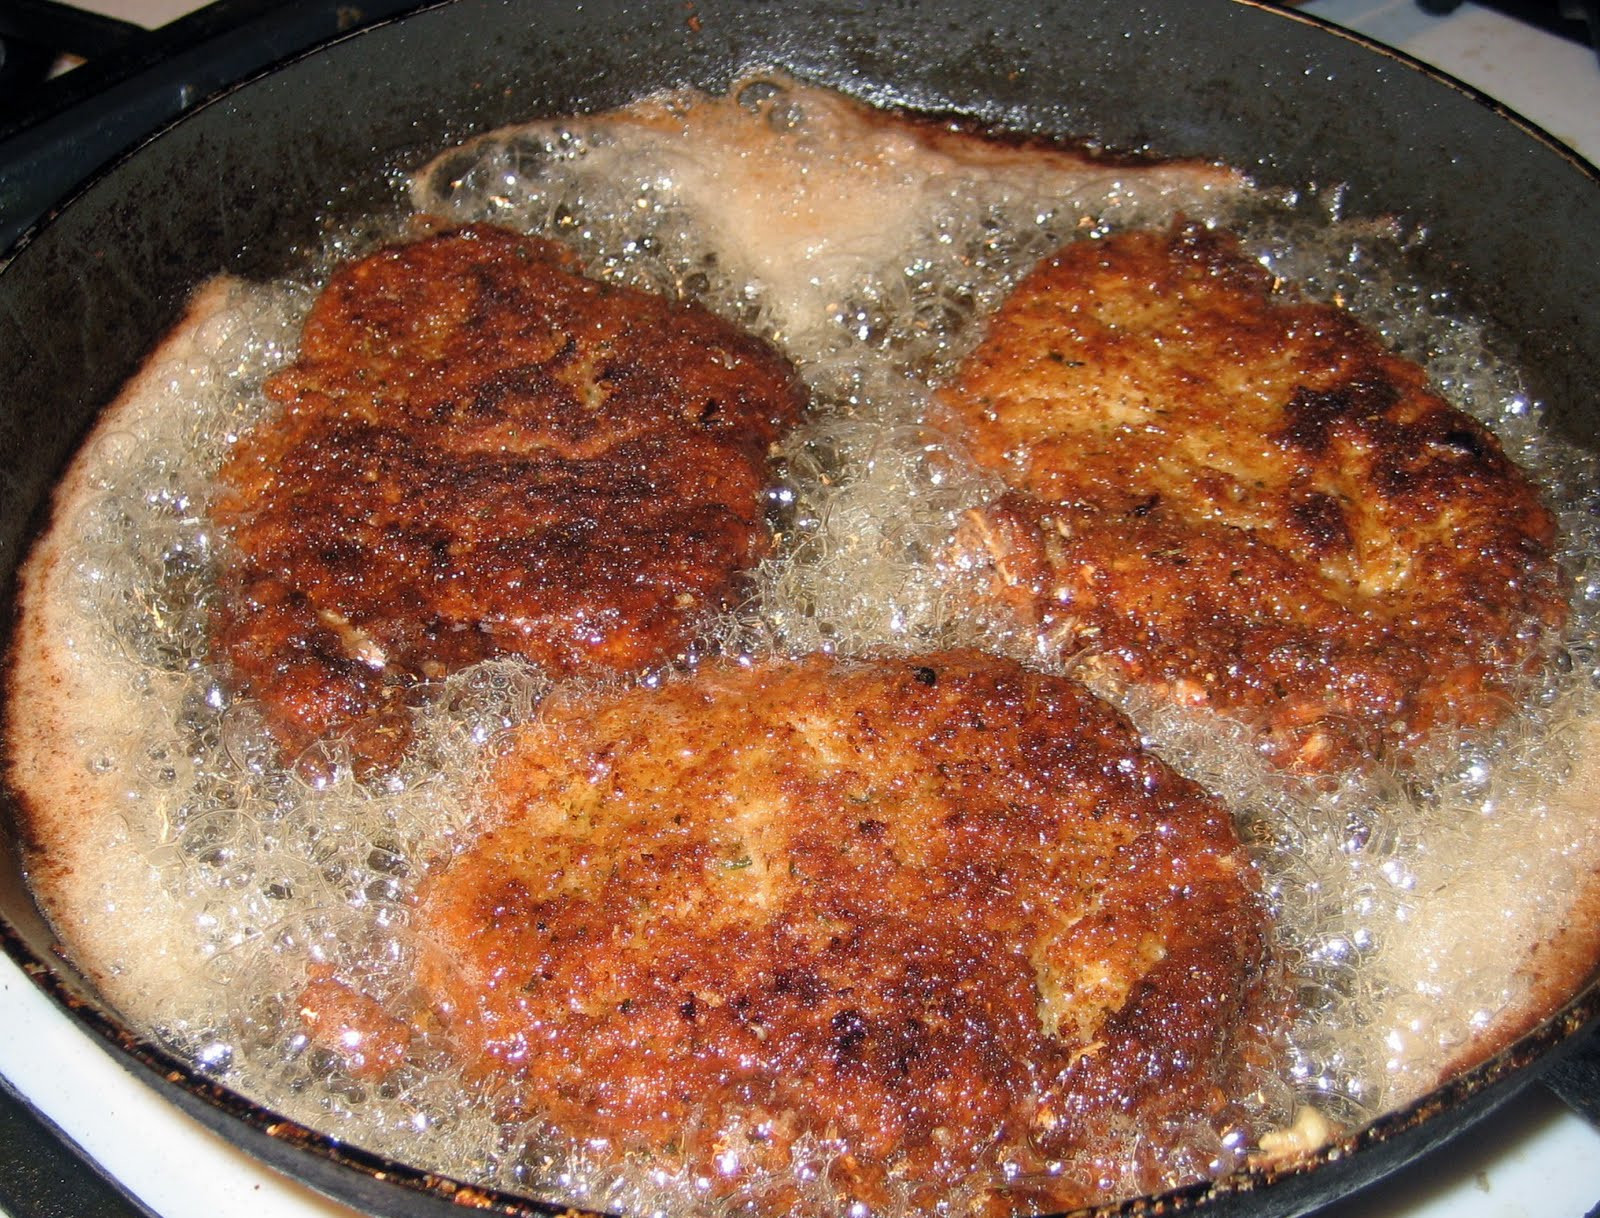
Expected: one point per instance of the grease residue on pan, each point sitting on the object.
(852, 478)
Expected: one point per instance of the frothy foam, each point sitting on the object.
(232, 876)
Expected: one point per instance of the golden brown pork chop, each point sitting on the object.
(1242, 499)
(481, 452)
(944, 911)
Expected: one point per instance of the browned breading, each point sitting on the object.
(1242, 499)
(946, 909)
(482, 452)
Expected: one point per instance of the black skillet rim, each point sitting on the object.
(297, 1151)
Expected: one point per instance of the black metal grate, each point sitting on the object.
(1575, 20)
(55, 131)
(36, 34)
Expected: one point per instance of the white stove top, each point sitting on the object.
(1532, 1159)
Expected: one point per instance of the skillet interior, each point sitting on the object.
(245, 183)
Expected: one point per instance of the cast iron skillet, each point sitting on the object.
(244, 184)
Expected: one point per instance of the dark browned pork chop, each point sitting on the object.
(480, 453)
(944, 913)
(1243, 500)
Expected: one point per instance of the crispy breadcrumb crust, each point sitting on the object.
(1242, 499)
(943, 910)
(481, 453)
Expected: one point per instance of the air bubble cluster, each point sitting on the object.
(1397, 893)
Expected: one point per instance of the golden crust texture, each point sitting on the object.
(943, 914)
(1243, 500)
(481, 452)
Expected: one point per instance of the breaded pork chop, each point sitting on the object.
(1244, 500)
(480, 453)
(943, 911)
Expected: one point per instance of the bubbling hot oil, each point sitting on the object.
(253, 872)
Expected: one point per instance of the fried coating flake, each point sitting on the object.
(942, 916)
(1243, 500)
(482, 453)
